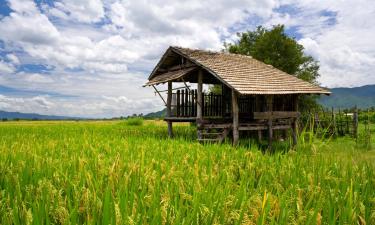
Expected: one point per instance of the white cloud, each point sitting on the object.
(42, 101)
(36, 78)
(13, 59)
(345, 47)
(87, 11)
(32, 104)
(102, 51)
(6, 67)
(26, 25)
(105, 106)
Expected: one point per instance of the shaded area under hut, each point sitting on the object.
(254, 96)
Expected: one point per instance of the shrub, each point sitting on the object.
(134, 121)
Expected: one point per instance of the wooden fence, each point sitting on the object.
(335, 122)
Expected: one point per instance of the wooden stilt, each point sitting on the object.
(294, 132)
(260, 136)
(178, 103)
(258, 109)
(169, 109)
(199, 102)
(295, 122)
(270, 134)
(186, 102)
(270, 131)
(235, 117)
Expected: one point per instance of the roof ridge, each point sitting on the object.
(212, 51)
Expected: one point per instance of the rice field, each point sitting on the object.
(113, 172)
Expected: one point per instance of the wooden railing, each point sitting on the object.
(184, 104)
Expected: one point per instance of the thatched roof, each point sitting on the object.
(242, 73)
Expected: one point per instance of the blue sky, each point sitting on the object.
(90, 58)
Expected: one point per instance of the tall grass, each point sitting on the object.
(108, 173)
(134, 121)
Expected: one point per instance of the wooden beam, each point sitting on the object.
(186, 102)
(258, 108)
(200, 95)
(235, 117)
(156, 90)
(269, 109)
(295, 122)
(177, 88)
(264, 127)
(199, 103)
(275, 115)
(177, 67)
(188, 87)
(169, 109)
(178, 107)
(180, 119)
(218, 126)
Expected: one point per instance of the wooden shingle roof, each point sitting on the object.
(245, 74)
(168, 76)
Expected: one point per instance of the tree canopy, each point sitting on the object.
(273, 46)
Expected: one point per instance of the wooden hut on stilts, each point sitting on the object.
(254, 96)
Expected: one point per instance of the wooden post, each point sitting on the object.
(334, 122)
(295, 122)
(186, 102)
(178, 103)
(223, 100)
(196, 100)
(199, 96)
(258, 109)
(199, 102)
(183, 103)
(169, 108)
(347, 123)
(235, 117)
(270, 131)
(355, 123)
(192, 103)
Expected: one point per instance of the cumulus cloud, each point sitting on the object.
(13, 59)
(340, 35)
(26, 25)
(6, 67)
(105, 106)
(24, 104)
(87, 11)
(29, 29)
(102, 51)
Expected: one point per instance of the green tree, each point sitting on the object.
(273, 46)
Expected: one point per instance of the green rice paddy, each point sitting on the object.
(119, 173)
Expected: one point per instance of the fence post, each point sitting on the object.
(169, 109)
(186, 102)
(347, 122)
(183, 103)
(333, 123)
(178, 103)
(355, 123)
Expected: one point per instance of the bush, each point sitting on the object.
(134, 121)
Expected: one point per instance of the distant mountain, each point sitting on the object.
(158, 114)
(31, 116)
(362, 97)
